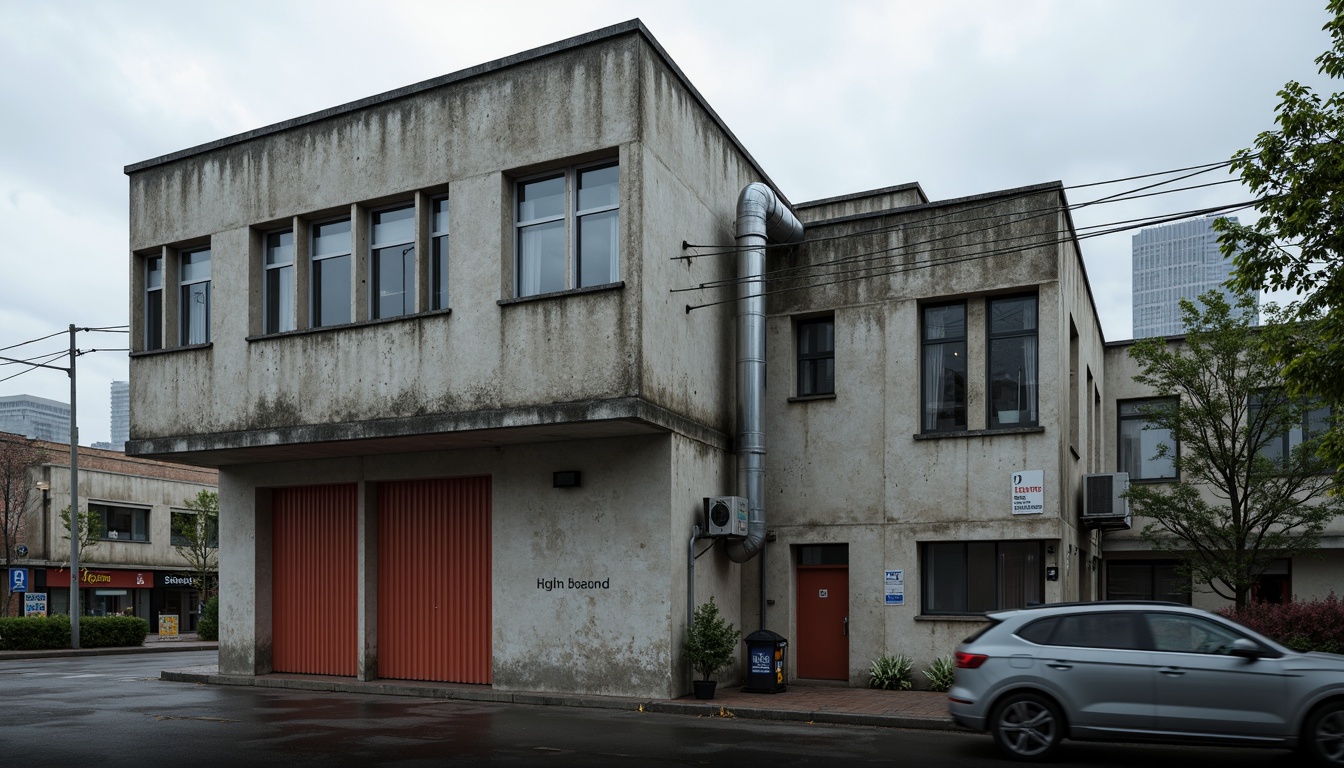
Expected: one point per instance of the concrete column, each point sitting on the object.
(367, 554)
(245, 577)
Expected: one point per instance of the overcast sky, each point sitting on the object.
(830, 98)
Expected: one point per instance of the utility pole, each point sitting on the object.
(74, 502)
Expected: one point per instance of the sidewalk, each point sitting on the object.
(802, 702)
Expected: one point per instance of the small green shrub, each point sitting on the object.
(891, 673)
(208, 628)
(1303, 625)
(941, 673)
(711, 643)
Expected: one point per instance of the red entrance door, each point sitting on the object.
(822, 649)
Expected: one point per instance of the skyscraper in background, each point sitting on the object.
(37, 417)
(121, 414)
(1174, 262)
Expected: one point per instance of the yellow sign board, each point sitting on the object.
(167, 627)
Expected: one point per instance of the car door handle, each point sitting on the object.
(1172, 671)
(1060, 665)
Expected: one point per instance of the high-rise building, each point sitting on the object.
(121, 414)
(37, 417)
(1174, 262)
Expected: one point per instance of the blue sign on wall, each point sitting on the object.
(18, 579)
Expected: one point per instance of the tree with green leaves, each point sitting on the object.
(1241, 500)
(91, 530)
(196, 538)
(1296, 172)
(17, 457)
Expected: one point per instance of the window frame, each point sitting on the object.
(105, 507)
(187, 287)
(929, 420)
(1121, 419)
(1286, 443)
(154, 302)
(278, 321)
(439, 250)
(572, 218)
(807, 363)
(1185, 595)
(994, 417)
(969, 574)
(314, 271)
(408, 258)
(212, 536)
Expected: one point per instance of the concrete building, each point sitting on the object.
(1173, 262)
(35, 417)
(488, 464)
(121, 414)
(134, 564)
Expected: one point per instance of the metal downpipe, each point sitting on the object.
(761, 217)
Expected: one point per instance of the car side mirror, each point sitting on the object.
(1245, 648)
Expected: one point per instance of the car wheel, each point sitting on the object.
(1027, 726)
(1324, 736)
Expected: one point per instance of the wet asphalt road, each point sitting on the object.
(115, 711)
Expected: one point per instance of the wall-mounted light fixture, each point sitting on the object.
(570, 478)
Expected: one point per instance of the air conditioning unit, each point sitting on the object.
(1104, 504)
(725, 516)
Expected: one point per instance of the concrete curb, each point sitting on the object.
(208, 675)
(153, 647)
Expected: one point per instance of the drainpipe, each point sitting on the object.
(760, 216)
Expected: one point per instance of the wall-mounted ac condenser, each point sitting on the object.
(725, 516)
(1104, 504)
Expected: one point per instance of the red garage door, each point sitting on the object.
(434, 580)
(314, 580)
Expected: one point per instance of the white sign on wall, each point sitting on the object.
(35, 604)
(1028, 492)
(893, 582)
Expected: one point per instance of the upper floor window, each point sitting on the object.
(189, 531)
(816, 357)
(194, 307)
(1146, 451)
(330, 277)
(578, 206)
(154, 302)
(1310, 421)
(1012, 361)
(122, 523)
(278, 290)
(438, 257)
(943, 356)
(392, 262)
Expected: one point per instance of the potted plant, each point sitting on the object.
(711, 645)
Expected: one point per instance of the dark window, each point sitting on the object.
(1012, 362)
(1146, 580)
(278, 290)
(823, 554)
(183, 522)
(1313, 421)
(1098, 630)
(154, 302)
(438, 267)
(1038, 632)
(961, 577)
(392, 262)
(816, 357)
(943, 378)
(1146, 452)
(122, 523)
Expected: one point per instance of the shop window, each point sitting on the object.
(969, 577)
(122, 523)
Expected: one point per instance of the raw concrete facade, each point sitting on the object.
(627, 382)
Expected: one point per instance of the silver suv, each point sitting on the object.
(1143, 671)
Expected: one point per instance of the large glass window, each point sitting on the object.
(1146, 580)
(279, 286)
(816, 357)
(1314, 422)
(330, 279)
(1012, 362)
(1141, 441)
(961, 577)
(544, 218)
(438, 262)
(392, 262)
(187, 526)
(943, 383)
(122, 523)
(154, 302)
(194, 309)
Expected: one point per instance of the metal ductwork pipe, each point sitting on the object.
(761, 217)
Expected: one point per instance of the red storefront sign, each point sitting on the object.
(59, 577)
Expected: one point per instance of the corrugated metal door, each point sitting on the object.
(434, 580)
(315, 580)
